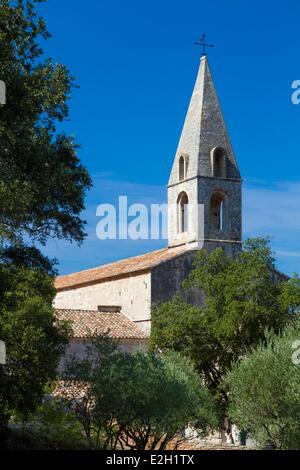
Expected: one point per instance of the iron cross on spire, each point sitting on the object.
(203, 44)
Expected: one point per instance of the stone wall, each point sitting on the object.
(167, 280)
(200, 191)
(233, 223)
(131, 293)
(77, 348)
(174, 236)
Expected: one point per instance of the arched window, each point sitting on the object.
(182, 212)
(186, 166)
(218, 157)
(217, 211)
(181, 168)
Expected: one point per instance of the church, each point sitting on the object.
(205, 187)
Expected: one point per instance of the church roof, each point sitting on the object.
(88, 322)
(123, 268)
(204, 129)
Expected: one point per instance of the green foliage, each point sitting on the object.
(59, 427)
(34, 342)
(42, 181)
(243, 296)
(42, 188)
(138, 401)
(264, 390)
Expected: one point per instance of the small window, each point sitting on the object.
(182, 212)
(218, 162)
(217, 211)
(181, 168)
(186, 161)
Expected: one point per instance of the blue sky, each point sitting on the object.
(135, 64)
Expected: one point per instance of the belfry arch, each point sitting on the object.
(182, 212)
(219, 211)
(218, 161)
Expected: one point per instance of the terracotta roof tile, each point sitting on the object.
(88, 322)
(70, 389)
(118, 269)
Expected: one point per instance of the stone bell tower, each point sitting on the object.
(205, 186)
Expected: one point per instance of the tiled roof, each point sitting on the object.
(70, 389)
(118, 269)
(89, 322)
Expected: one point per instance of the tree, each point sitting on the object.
(34, 339)
(138, 401)
(243, 296)
(264, 391)
(42, 182)
(42, 188)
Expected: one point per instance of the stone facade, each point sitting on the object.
(77, 348)
(195, 232)
(210, 173)
(131, 293)
(204, 129)
(167, 278)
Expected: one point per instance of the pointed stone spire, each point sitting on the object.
(205, 187)
(204, 129)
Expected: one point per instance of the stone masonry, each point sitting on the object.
(205, 211)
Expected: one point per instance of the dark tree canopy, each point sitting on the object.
(34, 339)
(42, 182)
(42, 189)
